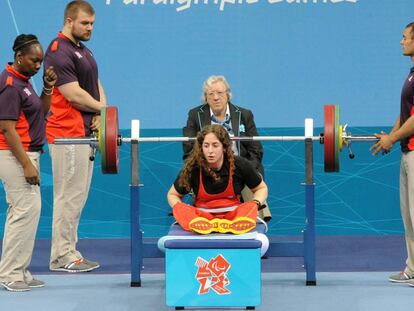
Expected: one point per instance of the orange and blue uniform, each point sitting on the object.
(72, 170)
(19, 102)
(406, 172)
(407, 109)
(72, 63)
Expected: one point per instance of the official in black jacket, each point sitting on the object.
(218, 109)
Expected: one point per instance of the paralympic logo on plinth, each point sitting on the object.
(213, 275)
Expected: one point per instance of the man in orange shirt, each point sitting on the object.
(403, 131)
(76, 100)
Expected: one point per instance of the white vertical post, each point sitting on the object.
(134, 129)
(308, 127)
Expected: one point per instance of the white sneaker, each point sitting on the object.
(16, 286)
(35, 283)
(76, 266)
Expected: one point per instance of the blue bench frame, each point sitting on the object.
(142, 248)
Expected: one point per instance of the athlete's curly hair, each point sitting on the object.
(197, 158)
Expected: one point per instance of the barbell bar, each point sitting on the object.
(108, 139)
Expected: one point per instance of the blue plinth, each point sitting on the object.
(215, 270)
(213, 277)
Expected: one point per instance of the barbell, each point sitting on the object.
(108, 139)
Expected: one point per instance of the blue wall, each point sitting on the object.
(284, 60)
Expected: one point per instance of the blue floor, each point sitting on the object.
(337, 291)
(333, 254)
(352, 274)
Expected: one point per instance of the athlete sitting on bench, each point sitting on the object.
(216, 177)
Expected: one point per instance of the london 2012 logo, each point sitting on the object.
(212, 275)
